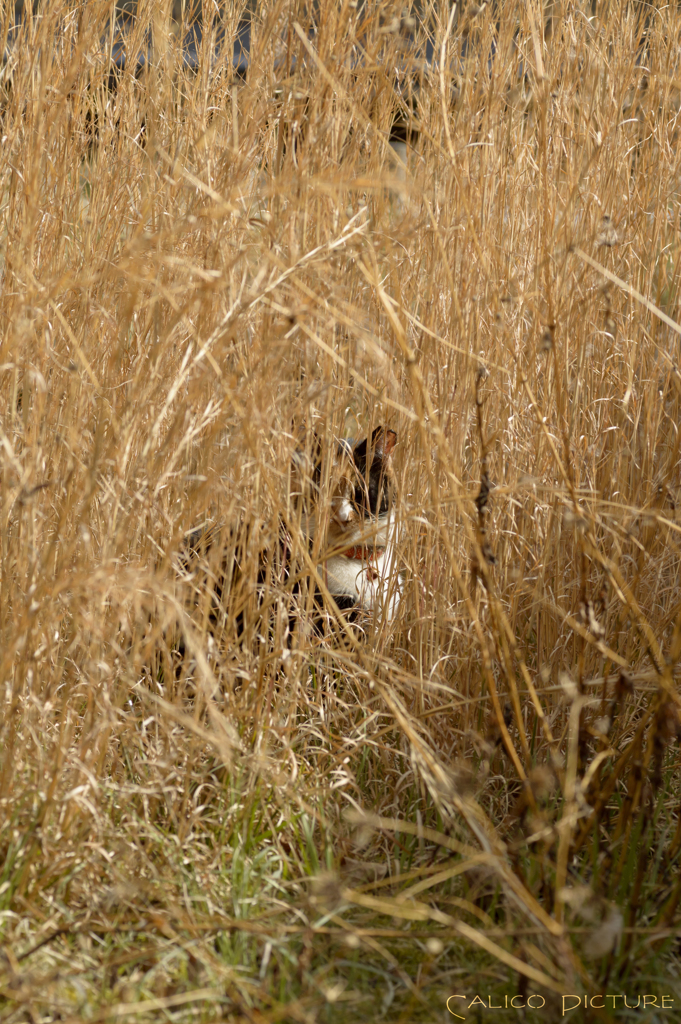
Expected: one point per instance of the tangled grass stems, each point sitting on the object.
(203, 278)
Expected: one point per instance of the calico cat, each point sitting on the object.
(359, 565)
(342, 511)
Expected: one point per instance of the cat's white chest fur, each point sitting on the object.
(372, 581)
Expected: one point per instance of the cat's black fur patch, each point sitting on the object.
(373, 487)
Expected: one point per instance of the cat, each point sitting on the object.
(343, 509)
(359, 564)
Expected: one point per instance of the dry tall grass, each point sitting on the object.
(481, 798)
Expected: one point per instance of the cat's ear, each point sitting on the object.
(383, 441)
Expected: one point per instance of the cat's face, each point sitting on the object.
(363, 490)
